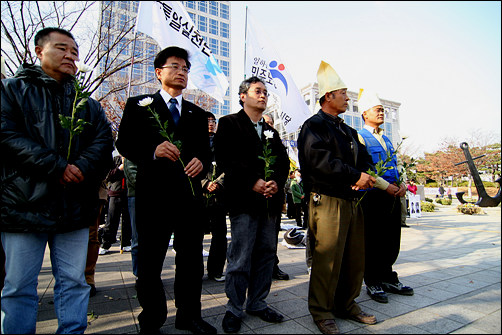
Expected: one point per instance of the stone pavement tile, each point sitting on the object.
(447, 285)
(388, 310)
(112, 307)
(489, 323)
(469, 329)
(455, 311)
(286, 327)
(430, 322)
(117, 323)
(435, 293)
(416, 300)
(421, 279)
(292, 309)
(212, 307)
(280, 295)
(393, 326)
(470, 281)
(300, 290)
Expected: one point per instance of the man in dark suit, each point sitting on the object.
(168, 193)
(253, 199)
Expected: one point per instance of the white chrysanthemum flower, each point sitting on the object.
(214, 163)
(145, 102)
(269, 134)
(83, 67)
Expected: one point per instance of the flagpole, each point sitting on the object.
(245, 41)
(132, 64)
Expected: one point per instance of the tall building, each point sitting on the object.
(211, 18)
(352, 116)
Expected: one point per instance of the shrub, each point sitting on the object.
(469, 209)
(446, 202)
(428, 199)
(427, 206)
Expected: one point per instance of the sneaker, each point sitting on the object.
(127, 248)
(103, 251)
(397, 288)
(377, 293)
(205, 253)
(220, 278)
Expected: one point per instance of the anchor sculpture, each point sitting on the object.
(484, 200)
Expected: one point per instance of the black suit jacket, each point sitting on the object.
(162, 182)
(237, 148)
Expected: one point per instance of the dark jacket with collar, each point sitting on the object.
(138, 137)
(34, 149)
(237, 149)
(331, 156)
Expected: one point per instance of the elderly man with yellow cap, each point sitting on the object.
(333, 162)
(381, 206)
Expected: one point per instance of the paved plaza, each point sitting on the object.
(451, 260)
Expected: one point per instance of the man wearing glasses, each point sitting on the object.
(253, 200)
(168, 193)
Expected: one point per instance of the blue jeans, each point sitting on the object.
(24, 254)
(251, 257)
(131, 202)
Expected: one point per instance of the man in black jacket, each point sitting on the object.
(254, 199)
(332, 161)
(46, 198)
(168, 192)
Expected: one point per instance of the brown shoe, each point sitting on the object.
(327, 326)
(365, 318)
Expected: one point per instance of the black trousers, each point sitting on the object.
(117, 208)
(155, 222)
(382, 232)
(217, 217)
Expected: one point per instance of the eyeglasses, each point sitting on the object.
(177, 67)
(211, 121)
(259, 92)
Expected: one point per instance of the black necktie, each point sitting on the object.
(174, 111)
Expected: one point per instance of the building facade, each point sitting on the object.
(212, 19)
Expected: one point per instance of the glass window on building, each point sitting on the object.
(134, 6)
(137, 72)
(213, 26)
(151, 50)
(123, 19)
(190, 4)
(224, 11)
(224, 67)
(348, 120)
(355, 109)
(357, 123)
(224, 32)
(124, 5)
(202, 23)
(213, 8)
(203, 6)
(213, 45)
(106, 19)
(216, 109)
(192, 16)
(225, 108)
(123, 47)
(138, 49)
(225, 50)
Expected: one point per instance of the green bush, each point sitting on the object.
(443, 201)
(428, 199)
(427, 206)
(469, 209)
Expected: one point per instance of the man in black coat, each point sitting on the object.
(49, 191)
(253, 199)
(168, 192)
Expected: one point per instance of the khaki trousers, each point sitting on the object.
(338, 257)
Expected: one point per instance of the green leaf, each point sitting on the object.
(65, 121)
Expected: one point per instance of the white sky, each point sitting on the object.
(440, 60)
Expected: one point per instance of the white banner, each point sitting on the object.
(262, 61)
(169, 24)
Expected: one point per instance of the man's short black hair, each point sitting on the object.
(162, 56)
(210, 115)
(42, 36)
(244, 86)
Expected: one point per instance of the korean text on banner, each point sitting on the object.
(169, 24)
(262, 61)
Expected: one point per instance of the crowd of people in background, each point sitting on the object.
(178, 172)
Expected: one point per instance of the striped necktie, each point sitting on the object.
(174, 110)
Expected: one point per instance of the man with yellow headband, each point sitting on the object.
(381, 206)
(332, 161)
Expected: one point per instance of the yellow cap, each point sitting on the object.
(328, 79)
(367, 99)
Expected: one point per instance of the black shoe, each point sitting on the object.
(267, 314)
(376, 293)
(93, 291)
(279, 275)
(231, 323)
(397, 288)
(196, 326)
(404, 225)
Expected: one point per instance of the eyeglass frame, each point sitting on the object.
(259, 92)
(177, 67)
